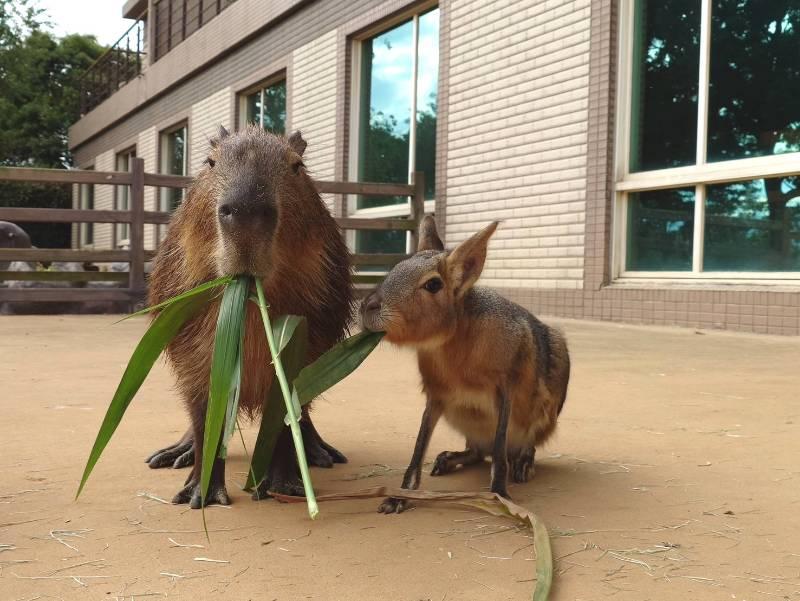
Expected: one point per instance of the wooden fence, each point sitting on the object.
(136, 255)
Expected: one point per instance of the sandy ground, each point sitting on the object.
(674, 475)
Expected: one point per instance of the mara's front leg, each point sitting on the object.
(500, 451)
(430, 417)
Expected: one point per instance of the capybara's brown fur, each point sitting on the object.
(253, 210)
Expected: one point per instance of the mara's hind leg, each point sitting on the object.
(449, 461)
(522, 468)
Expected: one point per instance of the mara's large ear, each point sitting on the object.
(428, 236)
(465, 263)
(297, 142)
(222, 133)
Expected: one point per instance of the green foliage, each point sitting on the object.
(39, 100)
(163, 329)
(225, 371)
(293, 355)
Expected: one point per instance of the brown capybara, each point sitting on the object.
(253, 209)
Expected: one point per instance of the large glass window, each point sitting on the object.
(173, 162)
(266, 106)
(711, 116)
(398, 86)
(122, 197)
(664, 84)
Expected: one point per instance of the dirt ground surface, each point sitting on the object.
(674, 475)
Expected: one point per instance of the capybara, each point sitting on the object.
(253, 209)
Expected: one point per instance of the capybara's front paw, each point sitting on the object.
(217, 495)
(179, 455)
(393, 505)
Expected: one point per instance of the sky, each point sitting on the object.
(103, 18)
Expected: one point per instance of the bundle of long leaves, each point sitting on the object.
(294, 385)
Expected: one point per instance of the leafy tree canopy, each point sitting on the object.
(39, 100)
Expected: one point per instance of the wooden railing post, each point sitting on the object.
(417, 206)
(136, 282)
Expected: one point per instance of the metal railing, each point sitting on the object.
(136, 255)
(114, 68)
(176, 20)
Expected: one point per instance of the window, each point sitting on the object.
(395, 107)
(122, 196)
(709, 140)
(173, 162)
(86, 202)
(265, 106)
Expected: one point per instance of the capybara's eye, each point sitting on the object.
(433, 285)
(210, 162)
(297, 166)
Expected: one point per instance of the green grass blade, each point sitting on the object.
(292, 415)
(196, 290)
(273, 411)
(232, 410)
(230, 323)
(335, 365)
(163, 329)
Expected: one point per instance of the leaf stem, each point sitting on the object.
(294, 419)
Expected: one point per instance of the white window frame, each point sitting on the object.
(85, 227)
(163, 163)
(388, 211)
(260, 87)
(699, 175)
(122, 228)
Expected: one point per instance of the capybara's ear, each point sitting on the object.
(297, 142)
(428, 236)
(222, 133)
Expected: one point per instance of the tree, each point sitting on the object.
(39, 100)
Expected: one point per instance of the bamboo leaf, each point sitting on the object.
(489, 502)
(273, 411)
(161, 331)
(332, 367)
(232, 409)
(189, 293)
(292, 408)
(335, 365)
(230, 324)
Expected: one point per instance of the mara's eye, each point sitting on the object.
(210, 162)
(433, 285)
(297, 166)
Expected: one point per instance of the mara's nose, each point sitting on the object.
(371, 304)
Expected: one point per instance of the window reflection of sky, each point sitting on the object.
(392, 71)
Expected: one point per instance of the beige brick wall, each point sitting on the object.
(313, 104)
(147, 149)
(204, 120)
(517, 134)
(104, 199)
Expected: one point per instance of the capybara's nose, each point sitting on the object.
(237, 213)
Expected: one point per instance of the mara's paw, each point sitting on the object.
(522, 468)
(393, 505)
(444, 464)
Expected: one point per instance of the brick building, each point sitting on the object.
(641, 155)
